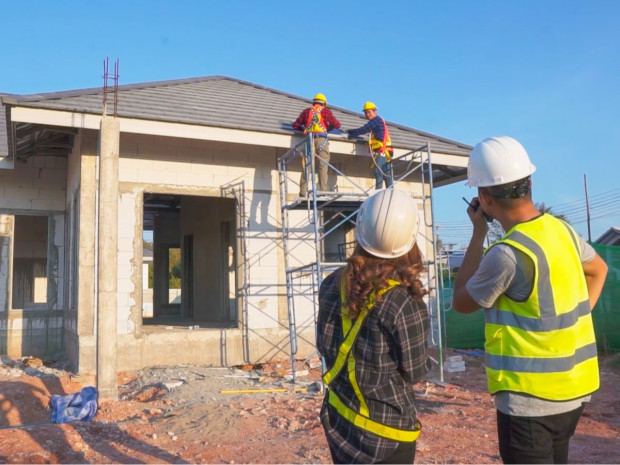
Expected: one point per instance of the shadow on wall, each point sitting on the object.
(259, 205)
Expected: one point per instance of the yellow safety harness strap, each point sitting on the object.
(367, 424)
(315, 121)
(349, 332)
(344, 350)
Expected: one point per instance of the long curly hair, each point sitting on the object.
(366, 274)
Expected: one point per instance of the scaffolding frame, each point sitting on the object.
(344, 206)
(236, 191)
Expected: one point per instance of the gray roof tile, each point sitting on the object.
(222, 102)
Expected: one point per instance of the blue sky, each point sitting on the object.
(545, 72)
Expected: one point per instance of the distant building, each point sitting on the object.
(455, 259)
(610, 237)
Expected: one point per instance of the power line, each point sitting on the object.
(593, 197)
(603, 205)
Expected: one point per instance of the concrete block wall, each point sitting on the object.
(200, 168)
(36, 187)
(185, 167)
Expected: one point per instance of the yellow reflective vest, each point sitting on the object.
(544, 346)
(361, 416)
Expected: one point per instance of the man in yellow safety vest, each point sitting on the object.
(538, 285)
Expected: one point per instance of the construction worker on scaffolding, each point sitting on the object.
(380, 145)
(538, 286)
(318, 120)
(372, 330)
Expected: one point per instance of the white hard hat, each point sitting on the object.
(496, 161)
(387, 223)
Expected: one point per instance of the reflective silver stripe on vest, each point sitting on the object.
(540, 365)
(545, 296)
(527, 323)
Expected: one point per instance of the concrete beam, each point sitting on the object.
(338, 142)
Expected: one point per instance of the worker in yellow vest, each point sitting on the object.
(538, 285)
(371, 330)
(380, 145)
(318, 120)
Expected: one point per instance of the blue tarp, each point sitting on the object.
(79, 406)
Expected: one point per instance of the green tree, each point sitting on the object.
(542, 208)
(174, 268)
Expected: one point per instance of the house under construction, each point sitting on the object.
(207, 171)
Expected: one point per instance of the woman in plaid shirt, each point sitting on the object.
(371, 330)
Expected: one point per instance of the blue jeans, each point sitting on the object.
(383, 172)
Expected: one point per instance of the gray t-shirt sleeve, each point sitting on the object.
(587, 251)
(494, 276)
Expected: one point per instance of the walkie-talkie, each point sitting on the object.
(475, 207)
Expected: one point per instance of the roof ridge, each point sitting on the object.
(83, 100)
(97, 90)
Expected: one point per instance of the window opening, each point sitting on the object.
(193, 277)
(30, 262)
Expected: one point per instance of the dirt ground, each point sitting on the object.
(254, 414)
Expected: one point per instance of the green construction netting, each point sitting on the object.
(606, 314)
(467, 331)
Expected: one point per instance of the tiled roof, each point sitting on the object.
(218, 101)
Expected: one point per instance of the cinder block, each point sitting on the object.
(51, 205)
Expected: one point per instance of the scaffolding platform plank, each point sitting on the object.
(325, 204)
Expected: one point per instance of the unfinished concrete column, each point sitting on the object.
(6, 234)
(109, 147)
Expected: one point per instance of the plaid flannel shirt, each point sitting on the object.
(390, 354)
(375, 126)
(329, 120)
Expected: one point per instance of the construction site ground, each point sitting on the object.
(254, 414)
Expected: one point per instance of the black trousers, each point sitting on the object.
(404, 453)
(536, 439)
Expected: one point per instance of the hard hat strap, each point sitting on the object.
(513, 190)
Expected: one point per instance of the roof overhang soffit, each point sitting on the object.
(338, 144)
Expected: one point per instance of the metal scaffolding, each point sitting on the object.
(328, 224)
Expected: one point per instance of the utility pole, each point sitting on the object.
(585, 186)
